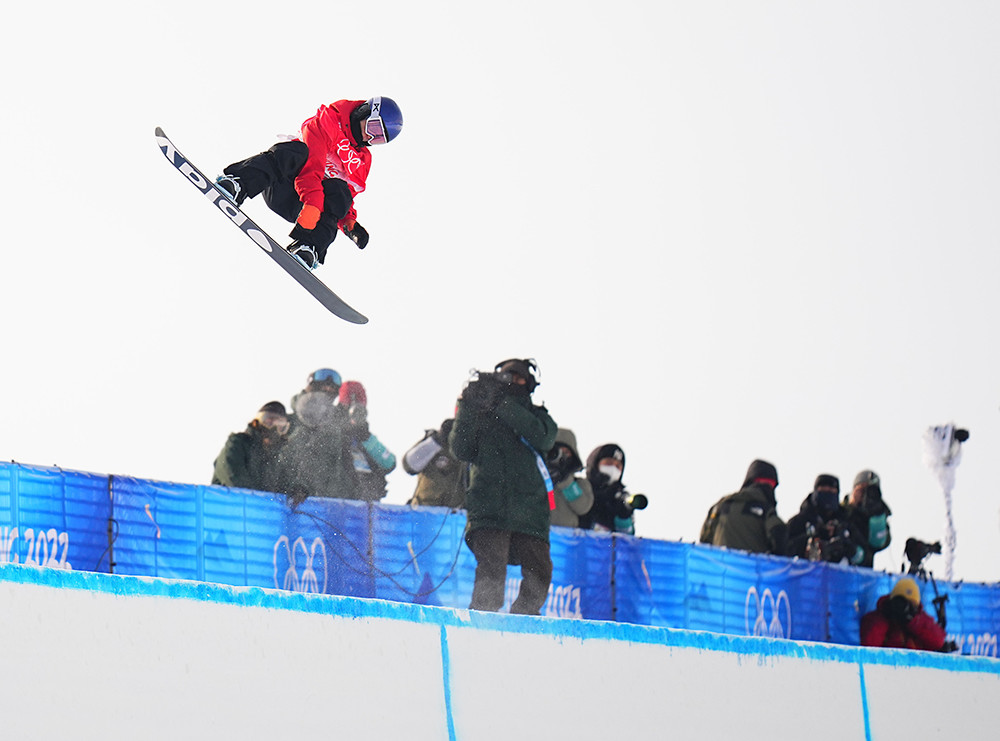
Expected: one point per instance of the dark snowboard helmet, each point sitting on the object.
(526, 368)
(378, 117)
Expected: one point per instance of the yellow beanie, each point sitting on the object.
(908, 588)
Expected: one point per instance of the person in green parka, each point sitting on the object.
(249, 459)
(504, 437)
(748, 520)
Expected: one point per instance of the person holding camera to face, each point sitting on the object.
(899, 621)
(573, 494)
(868, 516)
(821, 531)
(613, 505)
(505, 437)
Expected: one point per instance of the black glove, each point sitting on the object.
(623, 509)
(442, 435)
(900, 610)
(358, 235)
(301, 234)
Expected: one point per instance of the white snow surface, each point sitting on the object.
(94, 656)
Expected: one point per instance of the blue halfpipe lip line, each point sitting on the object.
(766, 649)
(446, 678)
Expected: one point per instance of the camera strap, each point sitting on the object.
(544, 470)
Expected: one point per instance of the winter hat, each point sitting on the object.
(352, 392)
(867, 478)
(826, 479)
(761, 470)
(608, 450)
(907, 587)
(274, 407)
(272, 416)
(567, 437)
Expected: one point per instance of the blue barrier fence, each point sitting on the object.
(89, 522)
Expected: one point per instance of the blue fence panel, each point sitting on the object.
(239, 531)
(54, 518)
(649, 581)
(421, 556)
(581, 574)
(327, 548)
(71, 519)
(158, 529)
(973, 616)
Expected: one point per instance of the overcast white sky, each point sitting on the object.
(725, 230)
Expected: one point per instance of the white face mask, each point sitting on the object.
(612, 472)
(315, 408)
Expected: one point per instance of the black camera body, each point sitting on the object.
(486, 389)
(917, 550)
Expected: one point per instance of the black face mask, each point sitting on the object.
(825, 502)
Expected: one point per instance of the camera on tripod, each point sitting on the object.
(916, 551)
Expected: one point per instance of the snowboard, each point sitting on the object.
(293, 267)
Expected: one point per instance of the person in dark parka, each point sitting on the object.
(249, 459)
(748, 520)
(504, 437)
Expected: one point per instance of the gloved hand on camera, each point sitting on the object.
(900, 610)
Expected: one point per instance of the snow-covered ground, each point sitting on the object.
(97, 656)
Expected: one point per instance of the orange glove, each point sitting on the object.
(308, 217)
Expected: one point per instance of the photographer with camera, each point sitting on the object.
(574, 495)
(821, 530)
(613, 504)
(441, 478)
(370, 460)
(899, 621)
(504, 436)
(868, 515)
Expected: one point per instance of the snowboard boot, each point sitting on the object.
(304, 253)
(230, 185)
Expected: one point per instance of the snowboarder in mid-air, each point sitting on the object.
(313, 180)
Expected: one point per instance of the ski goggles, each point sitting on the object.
(374, 126)
(325, 375)
(272, 421)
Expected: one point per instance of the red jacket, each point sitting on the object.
(877, 629)
(333, 153)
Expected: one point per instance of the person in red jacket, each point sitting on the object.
(314, 179)
(899, 621)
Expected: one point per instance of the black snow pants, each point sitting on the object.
(273, 173)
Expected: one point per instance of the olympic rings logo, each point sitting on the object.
(767, 613)
(287, 553)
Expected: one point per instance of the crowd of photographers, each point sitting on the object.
(504, 461)
(825, 528)
(324, 447)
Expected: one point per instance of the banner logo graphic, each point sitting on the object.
(288, 556)
(767, 615)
